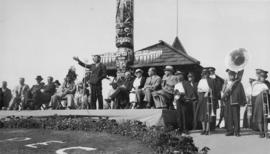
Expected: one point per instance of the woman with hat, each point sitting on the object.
(164, 97)
(201, 110)
(257, 96)
(135, 96)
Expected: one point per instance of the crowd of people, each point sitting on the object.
(194, 102)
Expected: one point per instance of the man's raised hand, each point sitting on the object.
(76, 58)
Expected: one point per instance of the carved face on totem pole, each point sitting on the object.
(124, 23)
(124, 33)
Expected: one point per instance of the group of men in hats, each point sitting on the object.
(24, 97)
(171, 91)
(67, 96)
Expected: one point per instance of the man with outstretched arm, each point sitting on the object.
(98, 73)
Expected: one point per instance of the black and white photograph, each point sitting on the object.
(134, 76)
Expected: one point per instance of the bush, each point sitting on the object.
(160, 139)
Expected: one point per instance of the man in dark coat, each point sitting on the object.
(234, 97)
(5, 96)
(1, 99)
(194, 85)
(184, 97)
(117, 81)
(216, 86)
(121, 93)
(98, 73)
(35, 94)
(48, 91)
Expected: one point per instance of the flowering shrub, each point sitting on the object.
(160, 139)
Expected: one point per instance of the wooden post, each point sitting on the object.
(124, 35)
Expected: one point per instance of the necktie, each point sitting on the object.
(20, 92)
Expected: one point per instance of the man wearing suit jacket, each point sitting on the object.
(216, 85)
(20, 96)
(194, 85)
(184, 97)
(48, 91)
(98, 73)
(35, 94)
(5, 96)
(121, 93)
(152, 83)
(163, 98)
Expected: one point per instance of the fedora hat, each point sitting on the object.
(57, 82)
(168, 68)
(205, 70)
(139, 70)
(178, 73)
(211, 69)
(230, 72)
(190, 74)
(258, 71)
(39, 77)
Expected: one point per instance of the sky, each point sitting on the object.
(40, 37)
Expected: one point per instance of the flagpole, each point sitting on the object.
(177, 19)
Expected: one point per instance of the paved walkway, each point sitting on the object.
(31, 141)
(247, 143)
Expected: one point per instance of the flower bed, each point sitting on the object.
(160, 139)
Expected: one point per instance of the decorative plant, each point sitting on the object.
(160, 139)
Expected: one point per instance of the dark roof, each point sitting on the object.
(178, 45)
(161, 54)
(168, 56)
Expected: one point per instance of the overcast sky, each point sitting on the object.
(39, 37)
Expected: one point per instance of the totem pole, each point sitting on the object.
(124, 35)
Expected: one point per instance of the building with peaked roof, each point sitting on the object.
(158, 55)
